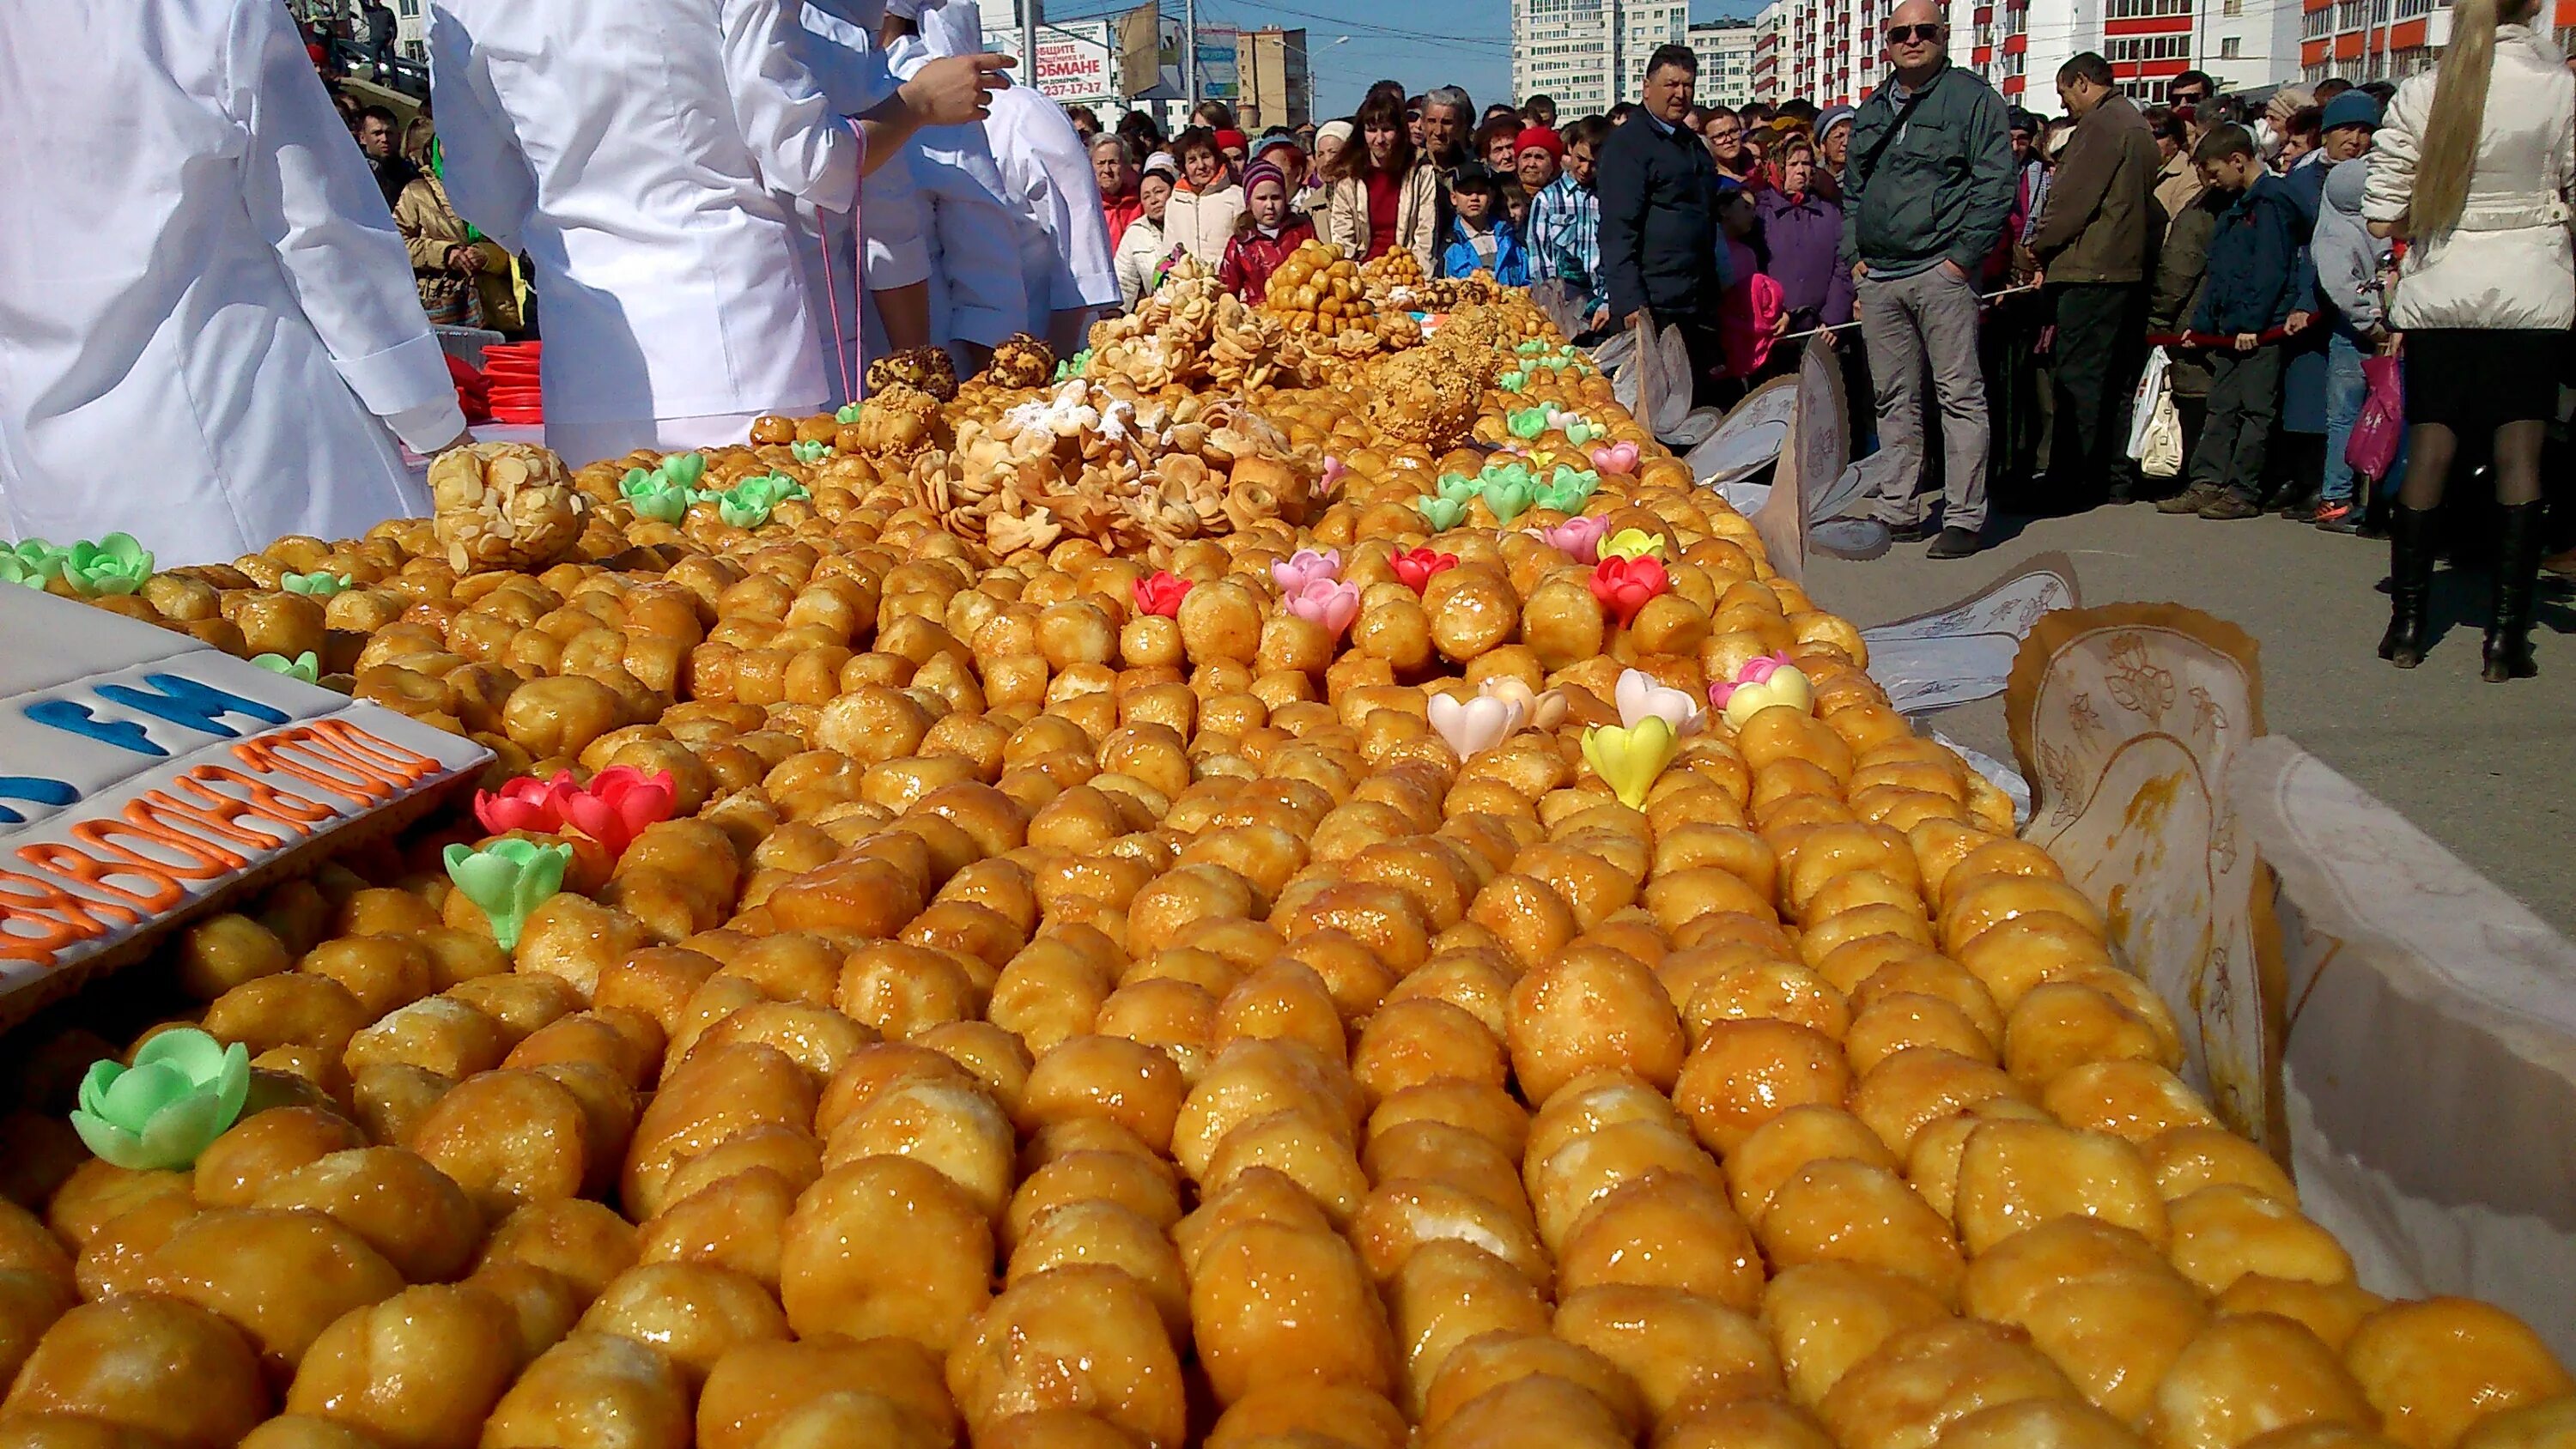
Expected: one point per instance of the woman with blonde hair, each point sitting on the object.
(2473, 167)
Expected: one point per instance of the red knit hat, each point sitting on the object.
(1230, 140)
(1542, 137)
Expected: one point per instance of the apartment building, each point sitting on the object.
(1725, 51)
(1590, 54)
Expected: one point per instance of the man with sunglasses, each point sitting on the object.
(1925, 196)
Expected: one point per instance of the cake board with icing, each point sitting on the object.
(146, 779)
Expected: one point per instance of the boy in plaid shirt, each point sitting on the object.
(1565, 225)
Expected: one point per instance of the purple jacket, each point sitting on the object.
(1806, 237)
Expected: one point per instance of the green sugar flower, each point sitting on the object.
(115, 564)
(183, 1090)
(651, 496)
(1458, 487)
(1511, 495)
(1568, 489)
(33, 563)
(303, 666)
(1074, 366)
(321, 583)
(747, 504)
(810, 453)
(1514, 380)
(1526, 423)
(1442, 514)
(509, 879)
(847, 413)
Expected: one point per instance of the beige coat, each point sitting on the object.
(1417, 216)
(430, 227)
(1201, 223)
(2177, 186)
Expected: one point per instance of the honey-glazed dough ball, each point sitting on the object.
(953, 1128)
(221, 952)
(1838, 1210)
(152, 1365)
(1681, 1351)
(1588, 1011)
(508, 1138)
(692, 1312)
(2044, 1424)
(1489, 1360)
(1664, 1230)
(1744, 1073)
(1826, 1317)
(759, 1384)
(733, 1223)
(1745, 1424)
(1270, 1303)
(409, 1211)
(1302, 1144)
(1921, 1085)
(1448, 1292)
(2435, 1367)
(1774, 1153)
(1920, 1382)
(2222, 1233)
(2532, 1427)
(299, 1431)
(2114, 1338)
(280, 1277)
(1527, 1413)
(1591, 1105)
(1567, 1183)
(1126, 1082)
(584, 1242)
(593, 1391)
(2187, 1159)
(1487, 1111)
(1108, 1235)
(886, 1245)
(1402, 1215)
(2249, 1375)
(2332, 1311)
(98, 1192)
(543, 1304)
(259, 1149)
(1075, 1337)
(1143, 1185)
(1434, 1151)
(1250, 1080)
(1283, 1001)
(119, 1257)
(1256, 1195)
(1340, 1414)
(852, 1416)
(2013, 1175)
(1056, 1429)
(33, 1294)
(292, 1008)
(723, 1093)
(420, 1370)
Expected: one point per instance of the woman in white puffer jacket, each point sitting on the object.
(2473, 166)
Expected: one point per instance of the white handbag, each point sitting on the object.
(2155, 426)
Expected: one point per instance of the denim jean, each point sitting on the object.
(2346, 389)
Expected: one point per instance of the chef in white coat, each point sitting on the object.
(972, 222)
(1067, 264)
(883, 298)
(639, 152)
(209, 335)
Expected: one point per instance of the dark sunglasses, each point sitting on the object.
(1900, 34)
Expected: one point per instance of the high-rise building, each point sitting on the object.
(1767, 28)
(1271, 79)
(1588, 55)
(1725, 51)
(2370, 40)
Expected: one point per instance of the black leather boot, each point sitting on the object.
(2517, 567)
(2410, 584)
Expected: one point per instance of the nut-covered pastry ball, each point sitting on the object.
(503, 506)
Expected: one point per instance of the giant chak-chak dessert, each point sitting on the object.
(1445, 949)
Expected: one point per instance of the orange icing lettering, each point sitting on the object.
(393, 764)
(205, 862)
(267, 802)
(296, 752)
(61, 919)
(214, 818)
(67, 864)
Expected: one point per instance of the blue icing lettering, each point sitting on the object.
(124, 734)
(191, 705)
(35, 790)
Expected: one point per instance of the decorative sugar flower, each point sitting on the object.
(1074, 366)
(1640, 696)
(1568, 489)
(1542, 710)
(847, 413)
(1765, 682)
(320, 584)
(1330, 603)
(1304, 565)
(1579, 538)
(1459, 487)
(508, 879)
(1416, 566)
(1514, 380)
(525, 803)
(1441, 514)
(303, 666)
(1580, 431)
(1624, 585)
(1629, 757)
(1161, 593)
(653, 496)
(1633, 543)
(617, 804)
(1334, 468)
(34, 563)
(157, 1115)
(810, 452)
(115, 564)
(1526, 423)
(1511, 496)
(1531, 347)
(1470, 725)
(1615, 458)
(747, 504)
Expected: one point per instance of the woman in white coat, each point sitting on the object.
(209, 335)
(640, 153)
(874, 287)
(2472, 165)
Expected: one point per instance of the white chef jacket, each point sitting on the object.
(638, 152)
(205, 310)
(838, 44)
(1044, 160)
(973, 224)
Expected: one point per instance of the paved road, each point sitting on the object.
(2488, 770)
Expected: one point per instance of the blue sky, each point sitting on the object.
(1424, 43)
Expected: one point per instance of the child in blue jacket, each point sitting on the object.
(2254, 295)
(1481, 238)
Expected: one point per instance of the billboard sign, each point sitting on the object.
(1075, 63)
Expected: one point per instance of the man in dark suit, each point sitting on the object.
(1658, 191)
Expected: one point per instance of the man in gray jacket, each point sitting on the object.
(1924, 200)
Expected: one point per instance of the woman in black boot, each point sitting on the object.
(2473, 167)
